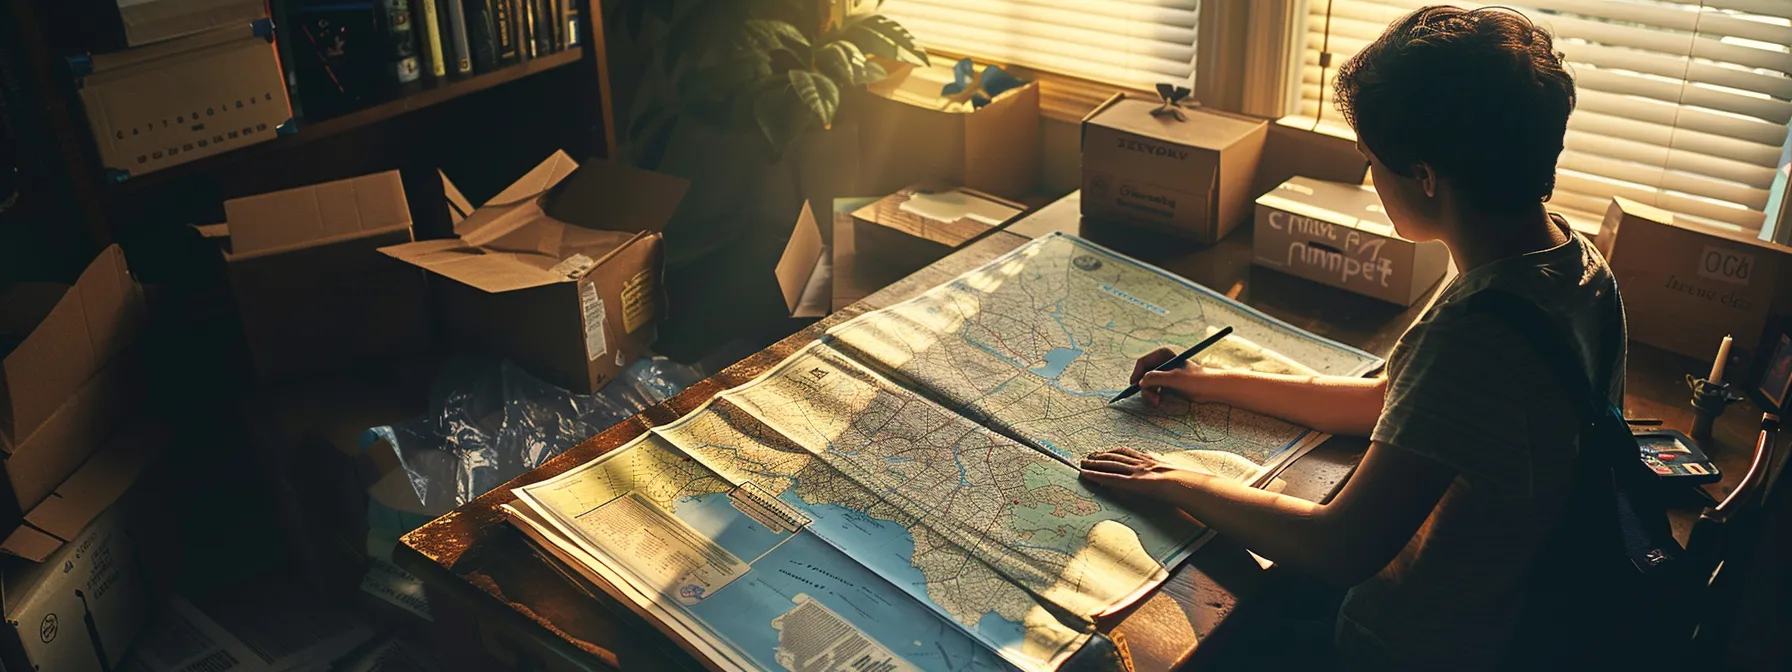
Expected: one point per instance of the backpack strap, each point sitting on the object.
(1539, 331)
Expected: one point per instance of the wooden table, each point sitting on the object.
(474, 557)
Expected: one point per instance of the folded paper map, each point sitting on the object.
(902, 493)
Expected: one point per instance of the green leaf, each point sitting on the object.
(843, 62)
(768, 36)
(906, 48)
(877, 44)
(874, 72)
(781, 117)
(700, 32)
(818, 94)
(649, 136)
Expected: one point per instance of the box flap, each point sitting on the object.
(89, 324)
(615, 197)
(89, 491)
(320, 213)
(534, 251)
(801, 259)
(147, 21)
(458, 205)
(1203, 129)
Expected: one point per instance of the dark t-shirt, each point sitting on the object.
(1467, 391)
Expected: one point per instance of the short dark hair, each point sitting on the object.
(1479, 95)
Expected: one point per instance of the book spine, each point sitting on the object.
(529, 27)
(401, 40)
(432, 38)
(569, 24)
(544, 28)
(457, 31)
(503, 32)
(479, 35)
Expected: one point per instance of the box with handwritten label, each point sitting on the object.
(1338, 234)
(1687, 285)
(1187, 173)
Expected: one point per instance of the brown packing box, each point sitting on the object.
(312, 290)
(1338, 234)
(921, 224)
(78, 609)
(1290, 151)
(1687, 286)
(65, 335)
(99, 482)
(173, 102)
(106, 25)
(38, 466)
(1190, 178)
(560, 271)
(905, 138)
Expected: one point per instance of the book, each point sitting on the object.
(337, 57)
(904, 490)
(572, 24)
(519, 27)
(461, 63)
(503, 31)
(400, 40)
(544, 35)
(529, 45)
(430, 23)
(480, 35)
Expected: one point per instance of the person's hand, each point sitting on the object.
(1190, 380)
(1132, 470)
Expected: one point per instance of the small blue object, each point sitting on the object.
(116, 176)
(979, 90)
(290, 127)
(79, 67)
(264, 28)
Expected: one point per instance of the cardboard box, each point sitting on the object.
(99, 481)
(312, 290)
(178, 101)
(921, 224)
(906, 138)
(106, 25)
(1289, 151)
(1339, 235)
(560, 271)
(79, 609)
(77, 430)
(1190, 178)
(64, 336)
(1686, 286)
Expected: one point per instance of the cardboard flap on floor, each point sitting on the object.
(555, 224)
(96, 485)
(804, 293)
(314, 215)
(83, 328)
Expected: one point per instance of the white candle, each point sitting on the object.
(1717, 367)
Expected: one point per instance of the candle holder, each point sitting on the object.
(1708, 401)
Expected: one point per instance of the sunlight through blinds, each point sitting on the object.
(1681, 105)
(1135, 43)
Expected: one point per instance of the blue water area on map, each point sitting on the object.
(715, 516)
(1056, 360)
(889, 549)
(743, 611)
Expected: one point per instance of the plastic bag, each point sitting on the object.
(489, 422)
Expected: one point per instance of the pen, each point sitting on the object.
(1177, 361)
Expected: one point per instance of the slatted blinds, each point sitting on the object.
(1682, 105)
(1136, 43)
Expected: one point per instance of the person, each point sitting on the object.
(1461, 115)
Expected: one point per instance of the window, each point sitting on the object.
(1131, 43)
(1682, 105)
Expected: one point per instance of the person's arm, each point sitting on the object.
(1330, 404)
(1343, 541)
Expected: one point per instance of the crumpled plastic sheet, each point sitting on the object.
(489, 422)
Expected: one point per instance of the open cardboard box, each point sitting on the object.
(312, 290)
(905, 137)
(99, 482)
(560, 271)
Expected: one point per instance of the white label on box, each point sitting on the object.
(573, 266)
(1725, 264)
(592, 306)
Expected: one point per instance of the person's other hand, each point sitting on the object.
(1191, 380)
(1131, 470)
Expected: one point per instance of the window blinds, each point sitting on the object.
(1133, 43)
(1682, 105)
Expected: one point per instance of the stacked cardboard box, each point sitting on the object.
(907, 134)
(199, 77)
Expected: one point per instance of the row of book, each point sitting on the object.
(342, 56)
